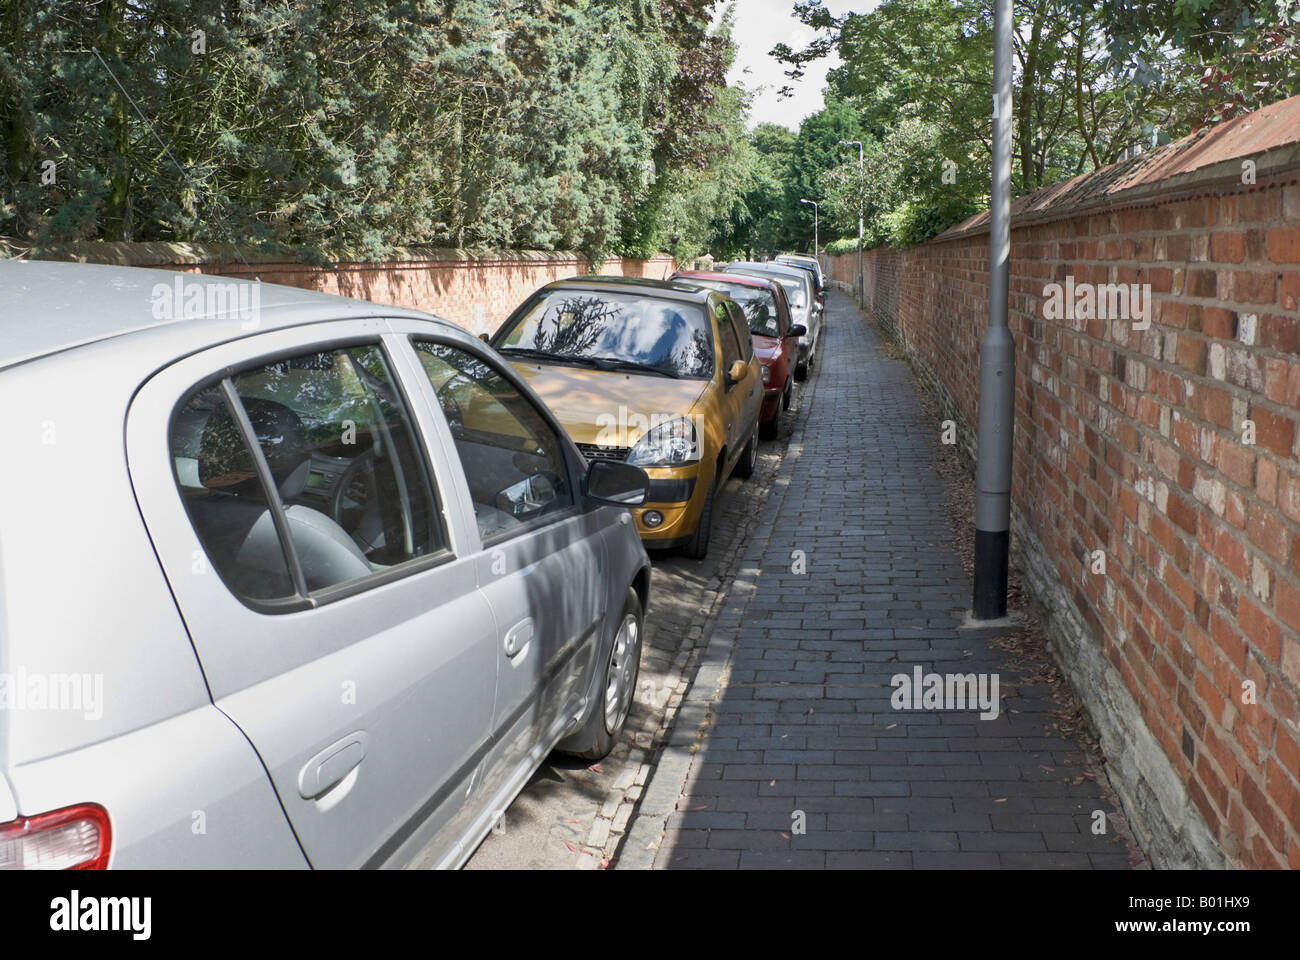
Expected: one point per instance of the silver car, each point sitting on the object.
(286, 579)
(801, 291)
(799, 260)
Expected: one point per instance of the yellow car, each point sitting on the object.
(661, 375)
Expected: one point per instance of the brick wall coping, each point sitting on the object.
(1206, 162)
(160, 254)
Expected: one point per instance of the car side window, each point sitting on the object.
(305, 474)
(727, 331)
(513, 460)
(740, 327)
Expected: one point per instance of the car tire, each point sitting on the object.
(801, 370)
(619, 672)
(767, 429)
(697, 547)
(744, 468)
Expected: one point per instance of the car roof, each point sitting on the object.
(646, 286)
(780, 269)
(49, 307)
(740, 278)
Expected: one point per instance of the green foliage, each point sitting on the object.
(1093, 81)
(356, 124)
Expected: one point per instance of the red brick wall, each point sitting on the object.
(475, 294)
(1131, 443)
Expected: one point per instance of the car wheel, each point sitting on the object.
(767, 429)
(744, 468)
(801, 370)
(697, 547)
(617, 687)
(785, 397)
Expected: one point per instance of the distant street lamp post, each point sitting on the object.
(858, 144)
(815, 219)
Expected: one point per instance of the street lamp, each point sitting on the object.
(997, 355)
(815, 218)
(858, 144)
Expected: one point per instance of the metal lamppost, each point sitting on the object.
(815, 220)
(858, 143)
(997, 357)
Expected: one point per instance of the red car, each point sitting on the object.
(774, 334)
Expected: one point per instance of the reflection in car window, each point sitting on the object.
(727, 333)
(795, 289)
(513, 460)
(614, 331)
(759, 305)
(341, 452)
(738, 330)
(224, 498)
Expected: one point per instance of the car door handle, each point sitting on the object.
(518, 636)
(332, 764)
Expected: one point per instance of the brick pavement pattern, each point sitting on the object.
(801, 727)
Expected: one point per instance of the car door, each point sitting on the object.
(541, 558)
(729, 393)
(753, 401)
(305, 525)
(748, 393)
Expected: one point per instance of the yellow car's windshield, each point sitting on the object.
(616, 331)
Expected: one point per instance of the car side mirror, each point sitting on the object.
(739, 370)
(619, 484)
(797, 330)
(485, 338)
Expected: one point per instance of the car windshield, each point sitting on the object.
(759, 304)
(616, 331)
(794, 287)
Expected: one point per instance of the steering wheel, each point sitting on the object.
(357, 484)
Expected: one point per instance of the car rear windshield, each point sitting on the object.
(759, 304)
(616, 331)
(794, 287)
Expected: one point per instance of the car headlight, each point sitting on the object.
(767, 373)
(670, 444)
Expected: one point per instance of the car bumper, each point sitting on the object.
(771, 404)
(678, 499)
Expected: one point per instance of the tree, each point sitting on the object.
(354, 126)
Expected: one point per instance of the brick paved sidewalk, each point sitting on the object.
(800, 729)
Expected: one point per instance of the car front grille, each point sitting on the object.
(594, 452)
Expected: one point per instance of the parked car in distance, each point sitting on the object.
(774, 334)
(653, 373)
(294, 564)
(810, 263)
(800, 290)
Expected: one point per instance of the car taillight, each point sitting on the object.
(74, 838)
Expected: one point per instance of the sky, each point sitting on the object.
(761, 25)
